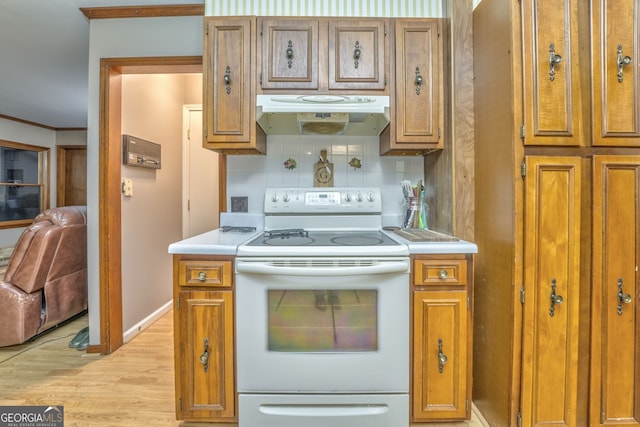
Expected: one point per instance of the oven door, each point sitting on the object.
(322, 325)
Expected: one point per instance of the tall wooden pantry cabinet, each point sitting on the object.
(557, 318)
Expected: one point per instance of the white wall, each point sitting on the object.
(152, 217)
(117, 38)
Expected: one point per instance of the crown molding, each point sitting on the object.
(143, 11)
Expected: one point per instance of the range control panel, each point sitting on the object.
(315, 200)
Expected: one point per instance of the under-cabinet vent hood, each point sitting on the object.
(322, 114)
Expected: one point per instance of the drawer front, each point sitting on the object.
(439, 272)
(205, 273)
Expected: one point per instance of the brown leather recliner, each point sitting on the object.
(46, 278)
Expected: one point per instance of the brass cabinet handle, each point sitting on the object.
(227, 79)
(202, 276)
(443, 274)
(622, 61)
(204, 357)
(442, 358)
(554, 59)
(554, 299)
(419, 80)
(289, 53)
(356, 54)
(622, 297)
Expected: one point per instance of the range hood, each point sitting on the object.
(322, 114)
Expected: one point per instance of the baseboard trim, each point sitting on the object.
(135, 330)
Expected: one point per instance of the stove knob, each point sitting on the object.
(371, 197)
(359, 197)
(285, 198)
(347, 197)
(274, 198)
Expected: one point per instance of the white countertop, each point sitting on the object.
(436, 248)
(214, 242)
(217, 242)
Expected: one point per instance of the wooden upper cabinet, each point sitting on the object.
(552, 95)
(358, 52)
(417, 103)
(229, 86)
(616, 84)
(615, 310)
(289, 53)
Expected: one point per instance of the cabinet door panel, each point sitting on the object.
(552, 256)
(552, 99)
(206, 359)
(616, 88)
(418, 48)
(439, 389)
(364, 69)
(289, 54)
(615, 341)
(227, 110)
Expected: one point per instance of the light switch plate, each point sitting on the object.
(127, 187)
(240, 204)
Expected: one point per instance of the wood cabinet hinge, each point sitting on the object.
(466, 405)
(260, 78)
(207, 30)
(439, 132)
(206, 132)
(178, 303)
(522, 295)
(523, 169)
(519, 419)
(522, 131)
(180, 404)
(468, 303)
(438, 30)
(261, 28)
(385, 30)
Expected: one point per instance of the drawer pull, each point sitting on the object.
(622, 61)
(622, 297)
(554, 59)
(204, 357)
(442, 358)
(555, 299)
(443, 274)
(202, 276)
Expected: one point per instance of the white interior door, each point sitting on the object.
(200, 210)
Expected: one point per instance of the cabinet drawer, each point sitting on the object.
(440, 272)
(205, 273)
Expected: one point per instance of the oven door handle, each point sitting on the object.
(266, 268)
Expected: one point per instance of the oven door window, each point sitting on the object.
(322, 320)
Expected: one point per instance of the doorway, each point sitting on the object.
(71, 175)
(110, 203)
(200, 182)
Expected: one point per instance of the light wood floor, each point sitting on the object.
(132, 387)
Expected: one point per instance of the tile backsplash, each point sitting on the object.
(250, 175)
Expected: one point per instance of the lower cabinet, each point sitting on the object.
(615, 308)
(204, 343)
(441, 347)
(203, 339)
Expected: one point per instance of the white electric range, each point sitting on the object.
(322, 314)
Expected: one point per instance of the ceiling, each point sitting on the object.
(44, 57)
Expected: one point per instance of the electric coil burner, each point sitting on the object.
(322, 323)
